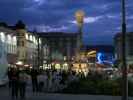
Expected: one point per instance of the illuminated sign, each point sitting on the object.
(104, 57)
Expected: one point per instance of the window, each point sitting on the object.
(9, 39)
(2, 36)
(39, 41)
(26, 36)
(14, 40)
(30, 37)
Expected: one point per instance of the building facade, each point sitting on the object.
(129, 48)
(59, 47)
(20, 45)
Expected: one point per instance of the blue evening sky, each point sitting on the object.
(102, 18)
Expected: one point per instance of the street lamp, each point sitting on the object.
(124, 65)
(80, 20)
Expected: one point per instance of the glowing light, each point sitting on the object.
(99, 55)
(94, 55)
(30, 67)
(14, 40)
(104, 58)
(2, 35)
(26, 65)
(41, 66)
(19, 63)
(57, 66)
(91, 52)
(39, 41)
(30, 37)
(9, 39)
(79, 17)
(65, 58)
(65, 66)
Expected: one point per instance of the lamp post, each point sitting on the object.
(80, 20)
(124, 65)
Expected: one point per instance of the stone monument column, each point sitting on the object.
(21, 42)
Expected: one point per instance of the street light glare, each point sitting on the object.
(19, 63)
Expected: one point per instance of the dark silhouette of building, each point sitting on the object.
(129, 48)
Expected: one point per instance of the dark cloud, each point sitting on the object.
(102, 17)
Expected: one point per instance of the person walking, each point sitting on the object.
(49, 85)
(14, 83)
(9, 74)
(34, 79)
(41, 82)
(23, 77)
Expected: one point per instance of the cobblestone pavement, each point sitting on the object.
(5, 95)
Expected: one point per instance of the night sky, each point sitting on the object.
(102, 17)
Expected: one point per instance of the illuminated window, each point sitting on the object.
(2, 36)
(9, 39)
(26, 36)
(14, 40)
(34, 40)
(30, 37)
(57, 66)
(9, 43)
(65, 66)
(39, 41)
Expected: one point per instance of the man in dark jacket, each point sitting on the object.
(15, 83)
(34, 74)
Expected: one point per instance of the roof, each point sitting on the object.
(120, 34)
(7, 30)
(56, 34)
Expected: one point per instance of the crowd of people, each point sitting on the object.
(40, 80)
(17, 82)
